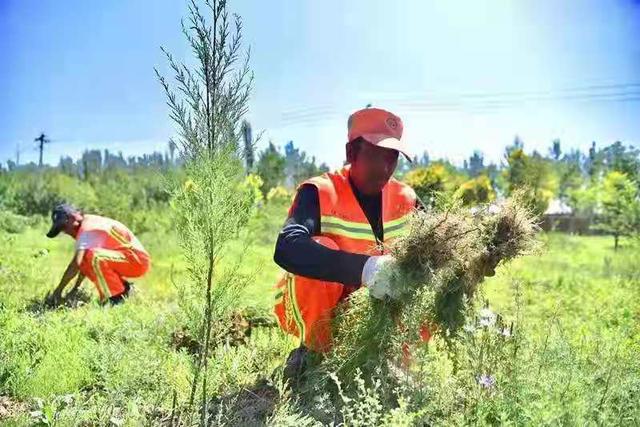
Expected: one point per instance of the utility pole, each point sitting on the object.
(42, 139)
(18, 154)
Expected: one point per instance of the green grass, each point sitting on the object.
(580, 310)
(119, 359)
(580, 281)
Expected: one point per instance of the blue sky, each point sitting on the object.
(462, 75)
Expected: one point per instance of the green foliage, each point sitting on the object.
(562, 352)
(280, 195)
(251, 186)
(541, 362)
(37, 193)
(270, 167)
(571, 357)
(556, 150)
(437, 270)
(210, 209)
(61, 372)
(476, 191)
(286, 170)
(530, 174)
(435, 178)
(617, 157)
(247, 146)
(620, 207)
(426, 181)
(135, 197)
(613, 202)
(12, 223)
(298, 166)
(216, 201)
(584, 200)
(570, 174)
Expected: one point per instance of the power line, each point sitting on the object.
(443, 107)
(460, 100)
(479, 108)
(510, 100)
(590, 89)
(620, 92)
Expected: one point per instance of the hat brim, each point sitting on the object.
(54, 231)
(387, 142)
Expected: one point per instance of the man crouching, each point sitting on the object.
(106, 252)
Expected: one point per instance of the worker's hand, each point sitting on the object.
(376, 275)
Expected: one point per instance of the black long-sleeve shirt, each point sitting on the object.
(299, 254)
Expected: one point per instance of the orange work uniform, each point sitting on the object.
(305, 306)
(111, 253)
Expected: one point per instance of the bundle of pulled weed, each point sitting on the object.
(439, 264)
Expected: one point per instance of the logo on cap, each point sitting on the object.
(392, 123)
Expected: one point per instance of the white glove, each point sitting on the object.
(377, 274)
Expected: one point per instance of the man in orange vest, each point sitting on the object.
(106, 252)
(338, 229)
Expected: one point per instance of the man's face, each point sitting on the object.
(372, 167)
(72, 225)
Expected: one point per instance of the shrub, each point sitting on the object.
(37, 193)
(251, 186)
(433, 179)
(476, 191)
(207, 106)
(12, 223)
(279, 194)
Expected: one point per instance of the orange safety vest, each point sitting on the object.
(106, 233)
(304, 306)
(112, 252)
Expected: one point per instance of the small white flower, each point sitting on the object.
(494, 209)
(506, 332)
(487, 318)
(36, 414)
(469, 328)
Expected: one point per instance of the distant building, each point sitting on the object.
(559, 216)
(558, 207)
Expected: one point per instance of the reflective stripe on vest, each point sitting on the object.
(342, 218)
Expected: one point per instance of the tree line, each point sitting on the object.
(601, 184)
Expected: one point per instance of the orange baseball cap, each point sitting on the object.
(378, 127)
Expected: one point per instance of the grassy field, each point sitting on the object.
(578, 301)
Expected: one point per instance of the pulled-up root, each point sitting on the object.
(439, 265)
